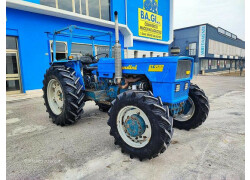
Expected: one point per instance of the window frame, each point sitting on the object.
(214, 65)
(96, 49)
(52, 51)
(87, 8)
(195, 50)
(81, 44)
(202, 63)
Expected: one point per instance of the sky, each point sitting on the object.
(228, 14)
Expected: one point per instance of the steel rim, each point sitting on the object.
(189, 114)
(138, 119)
(55, 96)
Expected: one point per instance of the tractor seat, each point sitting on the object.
(85, 59)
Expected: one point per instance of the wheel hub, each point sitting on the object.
(135, 125)
(188, 112)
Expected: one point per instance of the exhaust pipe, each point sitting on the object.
(118, 56)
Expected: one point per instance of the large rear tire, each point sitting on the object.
(197, 111)
(63, 95)
(140, 124)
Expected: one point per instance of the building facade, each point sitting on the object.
(145, 31)
(213, 48)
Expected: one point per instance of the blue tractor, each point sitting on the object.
(144, 97)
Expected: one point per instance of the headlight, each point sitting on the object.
(186, 86)
(177, 87)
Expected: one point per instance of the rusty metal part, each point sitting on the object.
(127, 81)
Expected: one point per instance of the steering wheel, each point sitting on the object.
(102, 54)
(94, 59)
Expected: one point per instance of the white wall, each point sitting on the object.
(217, 48)
(128, 53)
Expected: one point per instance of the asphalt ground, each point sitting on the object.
(38, 149)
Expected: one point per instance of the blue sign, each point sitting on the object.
(202, 41)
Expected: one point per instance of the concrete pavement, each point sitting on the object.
(38, 149)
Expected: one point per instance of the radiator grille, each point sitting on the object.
(182, 68)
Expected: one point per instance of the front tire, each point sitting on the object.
(63, 95)
(140, 124)
(197, 112)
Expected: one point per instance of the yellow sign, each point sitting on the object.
(130, 67)
(155, 68)
(187, 72)
(150, 24)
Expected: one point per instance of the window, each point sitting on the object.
(51, 3)
(83, 7)
(228, 34)
(164, 54)
(158, 55)
(94, 8)
(214, 64)
(103, 51)
(227, 62)
(237, 64)
(65, 5)
(151, 54)
(233, 64)
(234, 36)
(78, 6)
(135, 54)
(11, 42)
(192, 49)
(13, 76)
(81, 49)
(222, 31)
(61, 50)
(204, 64)
(144, 55)
(105, 9)
(221, 64)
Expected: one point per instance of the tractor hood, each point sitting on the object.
(157, 69)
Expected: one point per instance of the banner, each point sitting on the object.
(202, 41)
(150, 24)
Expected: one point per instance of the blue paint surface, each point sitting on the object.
(31, 28)
(163, 83)
(118, 6)
(135, 125)
(34, 1)
(33, 42)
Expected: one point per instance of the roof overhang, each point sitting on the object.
(41, 9)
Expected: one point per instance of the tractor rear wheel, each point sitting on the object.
(63, 95)
(196, 110)
(140, 124)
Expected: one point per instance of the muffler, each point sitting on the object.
(118, 55)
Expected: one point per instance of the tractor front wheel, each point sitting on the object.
(196, 110)
(140, 124)
(63, 95)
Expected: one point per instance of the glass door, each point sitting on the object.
(13, 83)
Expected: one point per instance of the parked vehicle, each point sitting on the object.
(144, 97)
